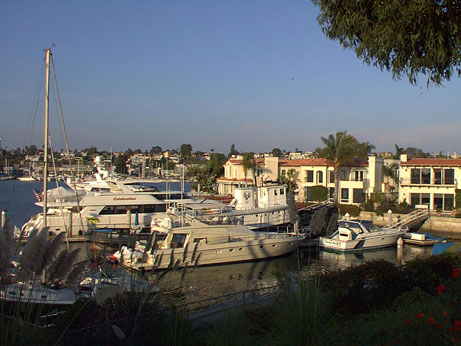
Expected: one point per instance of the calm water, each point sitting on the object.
(210, 282)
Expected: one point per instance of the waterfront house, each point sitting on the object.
(429, 182)
(358, 180)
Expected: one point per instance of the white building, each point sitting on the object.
(430, 182)
(358, 179)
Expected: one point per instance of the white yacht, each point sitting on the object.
(354, 235)
(199, 244)
(260, 208)
(77, 215)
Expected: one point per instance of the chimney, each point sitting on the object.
(403, 157)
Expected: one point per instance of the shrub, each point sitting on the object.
(458, 199)
(368, 206)
(379, 212)
(370, 284)
(377, 197)
(402, 208)
(319, 193)
(353, 210)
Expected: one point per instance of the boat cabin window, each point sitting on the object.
(122, 209)
(178, 240)
(170, 196)
(198, 240)
(353, 226)
(371, 227)
(282, 191)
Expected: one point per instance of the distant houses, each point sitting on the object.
(430, 183)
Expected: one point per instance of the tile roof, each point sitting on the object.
(431, 162)
(321, 162)
(306, 162)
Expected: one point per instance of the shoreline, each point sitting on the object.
(450, 226)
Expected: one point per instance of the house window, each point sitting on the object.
(449, 175)
(426, 198)
(357, 196)
(342, 174)
(414, 199)
(438, 201)
(344, 195)
(437, 176)
(425, 176)
(331, 192)
(448, 202)
(420, 198)
(319, 177)
(358, 175)
(309, 176)
(332, 177)
(416, 176)
(308, 193)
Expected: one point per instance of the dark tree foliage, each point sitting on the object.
(276, 152)
(408, 38)
(185, 151)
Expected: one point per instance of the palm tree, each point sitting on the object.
(248, 163)
(391, 173)
(340, 149)
(398, 151)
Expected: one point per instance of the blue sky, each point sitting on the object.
(259, 74)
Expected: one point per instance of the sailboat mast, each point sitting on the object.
(45, 133)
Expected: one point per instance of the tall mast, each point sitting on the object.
(45, 132)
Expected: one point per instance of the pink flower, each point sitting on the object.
(431, 320)
(420, 315)
(455, 273)
(442, 288)
(408, 322)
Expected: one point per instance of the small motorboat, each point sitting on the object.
(355, 235)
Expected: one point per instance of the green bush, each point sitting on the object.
(458, 199)
(353, 210)
(319, 193)
(368, 206)
(402, 208)
(377, 197)
(379, 212)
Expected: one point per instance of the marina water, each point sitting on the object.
(215, 284)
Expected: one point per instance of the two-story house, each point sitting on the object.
(429, 182)
(357, 180)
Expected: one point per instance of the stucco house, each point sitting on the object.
(429, 182)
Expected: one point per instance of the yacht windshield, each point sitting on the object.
(371, 227)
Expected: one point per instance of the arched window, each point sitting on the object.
(319, 177)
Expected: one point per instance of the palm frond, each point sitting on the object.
(184, 254)
(6, 246)
(32, 256)
(76, 272)
(52, 249)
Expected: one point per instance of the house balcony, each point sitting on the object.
(447, 183)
